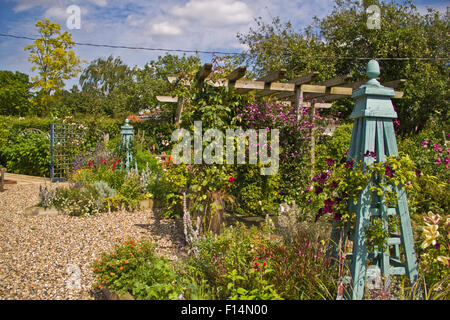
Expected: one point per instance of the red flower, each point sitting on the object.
(232, 179)
(389, 172)
(349, 164)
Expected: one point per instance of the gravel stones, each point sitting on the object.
(49, 256)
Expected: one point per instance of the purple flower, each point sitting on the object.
(370, 154)
(337, 216)
(389, 172)
(446, 160)
(330, 162)
(318, 189)
(437, 160)
(333, 185)
(349, 164)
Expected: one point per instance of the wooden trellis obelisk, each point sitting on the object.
(373, 131)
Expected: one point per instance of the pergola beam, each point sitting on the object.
(204, 72)
(268, 78)
(237, 73)
(326, 91)
(166, 99)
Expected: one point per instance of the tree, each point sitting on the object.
(404, 33)
(54, 59)
(14, 93)
(103, 75)
(275, 45)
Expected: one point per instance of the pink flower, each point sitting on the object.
(437, 160)
(231, 179)
(424, 143)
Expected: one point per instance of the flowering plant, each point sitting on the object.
(336, 190)
(434, 252)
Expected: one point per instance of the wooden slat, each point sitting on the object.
(341, 91)
(336, 81)
(173, 79)
(398, 94)
(248, 85)
(271, 77)
(305, 78)
(204, 72)
(166, 99)
(276, 87)
(299, 81)
(237, 73)
(313, 88)
(395, 83)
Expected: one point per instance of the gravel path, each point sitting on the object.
(40, 255)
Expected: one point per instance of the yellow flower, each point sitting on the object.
(444, 260)
(432, 218)
(431, 233)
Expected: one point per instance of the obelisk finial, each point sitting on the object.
(373, 71)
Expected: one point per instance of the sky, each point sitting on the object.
(206, 25)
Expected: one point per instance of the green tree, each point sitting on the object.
(53, 59)
(275, 45)
(14, 93)
(404, 33)
(103, 75)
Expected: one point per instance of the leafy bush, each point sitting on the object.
(28, 154)
(434, 253)
(78, 201)
(250, 263)
(134, 268)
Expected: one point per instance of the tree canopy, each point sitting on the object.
(336, 44)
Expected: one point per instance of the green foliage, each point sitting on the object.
(254, 193)
(54, 60)
(336, 147)
(14, 93)
(434, 252)
(78, 201)
(431, 156)
(135, 268)
(130, 191)
(28, 154)
(33, 155)
(254, 263)
(404, 33)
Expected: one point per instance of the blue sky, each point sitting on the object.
(209, 25)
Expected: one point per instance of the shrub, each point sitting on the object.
(28, 154)
(78, 201)
(257, 264)
(134, 268)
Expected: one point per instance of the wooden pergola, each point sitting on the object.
(291, 91)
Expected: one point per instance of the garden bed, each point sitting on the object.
(38, 250)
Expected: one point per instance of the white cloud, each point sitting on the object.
(165, 29)
(214, 12)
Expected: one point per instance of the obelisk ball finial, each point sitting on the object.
(373, 71)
